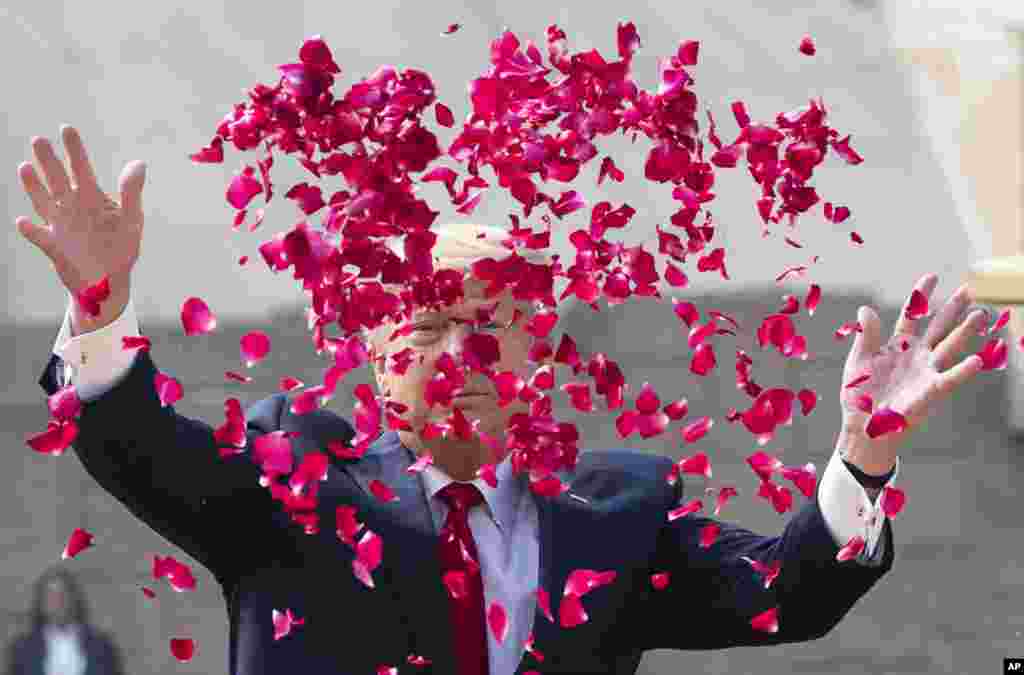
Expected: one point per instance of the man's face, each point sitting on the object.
(443, 330)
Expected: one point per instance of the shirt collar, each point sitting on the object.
(54, 630)
(502, 501)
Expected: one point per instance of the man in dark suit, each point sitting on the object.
(61, 639)
(466, 559)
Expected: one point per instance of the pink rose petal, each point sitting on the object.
(660, 580)
(497, 619)
(142, 343)
(254, 347)
(168, 389)
(183, 648)
(91, 297)
(851, 550)
(77, 542)
(56, 439)
(283, 622)
(892, 501)
(885, 421)
(196, 317)
(64, 405)
(544, 602)
(766, 622)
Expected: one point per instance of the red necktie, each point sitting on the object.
(458, 554)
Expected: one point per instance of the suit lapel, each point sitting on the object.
(408, 531)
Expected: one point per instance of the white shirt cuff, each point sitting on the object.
(848, 510)
(95, 361)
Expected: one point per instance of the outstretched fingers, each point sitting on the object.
(81, 169)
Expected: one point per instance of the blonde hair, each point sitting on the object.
(458, 246)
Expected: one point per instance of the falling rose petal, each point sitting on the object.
(488, 472)
(196, 317)
(148, 592)
(571, 612)
(549, 486)
(242, 260)
(254, 347)
(64, 404)
(417, 660)
(369, 553)
(237, 377)
(421, 463)
(808, 401)
(387, 670)
(382, 491)
(142, 343)
(56, 439)
(807, 48)
(709, 534)
(813, 298)
(283, 622)
(659, 580)
(444, 115)
(692, 506)
(698, 465)
(168, 389)
(243, 188)
(993, 355)
(766, 622)
(851, 550)
(290, 384)
(451, 28)
(91, 297)
(455, 581)
(768, 572)
(918, 305)
(696, 430)
(178, 575)
(532, 649)
(805, 478)
(892, 501)
(1003, 319)
(544, 602)
(77, 542)
(677, 410)
(183, 648)
(582, 581)
(725, 493)
(497, 619)
(885, 421)
(764, 465)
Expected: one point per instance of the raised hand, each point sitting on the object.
(911, 380)
(85, 233)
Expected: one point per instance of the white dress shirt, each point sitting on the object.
(64, 652)
(507, 532)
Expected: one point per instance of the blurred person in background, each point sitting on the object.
(61, 640)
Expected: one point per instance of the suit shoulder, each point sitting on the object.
(637, 469)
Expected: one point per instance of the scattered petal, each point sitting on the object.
(183, 648)
(77, 542)
(197, 318)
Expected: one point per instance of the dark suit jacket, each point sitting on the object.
(165, 468)
(27, 653)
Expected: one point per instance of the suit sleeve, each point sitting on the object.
(166, 469)
(713, 593)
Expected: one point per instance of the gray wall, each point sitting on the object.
(151, 81)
